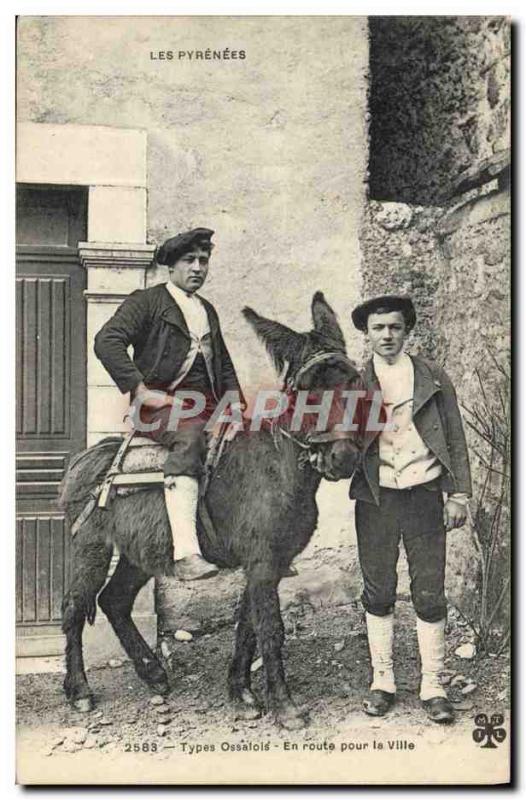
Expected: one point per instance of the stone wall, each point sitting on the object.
(454, 261)
(441, 86)
(437, 225)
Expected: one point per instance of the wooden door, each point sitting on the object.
(51, 401)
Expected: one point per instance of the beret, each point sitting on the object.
(385, 303)
(172, 249)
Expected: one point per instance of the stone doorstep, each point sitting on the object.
(37, 665)
(38, 654)
(100, 642)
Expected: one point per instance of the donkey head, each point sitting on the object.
(315, 364)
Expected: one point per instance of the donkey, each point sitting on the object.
(261, 500)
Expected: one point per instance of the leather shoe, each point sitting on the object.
(377, 703)
(439, 709)
(194, 568)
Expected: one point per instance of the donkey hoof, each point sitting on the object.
(243, 712)
(160, 687)
(78, 695)
(83, 704)
(292, 719)
(245, 706)
(150, 671)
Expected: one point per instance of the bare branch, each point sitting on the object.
(499, 602)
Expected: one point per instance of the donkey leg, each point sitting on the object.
(91, 562)
(263, 583)
(117, 601)
(244, 701)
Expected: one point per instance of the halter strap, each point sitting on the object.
(319, 358)
(313, 438)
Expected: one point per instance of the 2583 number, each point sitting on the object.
(140, 747)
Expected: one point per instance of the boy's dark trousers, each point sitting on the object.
(416, 516)
(187, 444)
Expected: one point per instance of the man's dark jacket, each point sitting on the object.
(437, 419)
(151, 321)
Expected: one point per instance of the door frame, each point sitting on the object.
(112, 164)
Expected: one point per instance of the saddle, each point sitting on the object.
(138, 465)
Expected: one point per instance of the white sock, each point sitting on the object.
(380, 632)
(181, 495)
(431, 643)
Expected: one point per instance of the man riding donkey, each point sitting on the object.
(406, 469)
(177, 347)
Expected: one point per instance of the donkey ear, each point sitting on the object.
(325, 320)
(282, 343)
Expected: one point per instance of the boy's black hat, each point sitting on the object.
(384, 304)
(172, 249)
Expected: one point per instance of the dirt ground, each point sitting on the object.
(326, 659)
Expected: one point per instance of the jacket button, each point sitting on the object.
(435, 427)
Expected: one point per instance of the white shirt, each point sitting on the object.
(405, 459)
(198, 326)
(193, 310)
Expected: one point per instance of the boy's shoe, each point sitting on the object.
(377, 703)
(194, 568)
(439, 709)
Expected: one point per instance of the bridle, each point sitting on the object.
(291, 383)
(314, 360)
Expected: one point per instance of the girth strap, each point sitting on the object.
(86, 511)
(100, 494)
(114, 470)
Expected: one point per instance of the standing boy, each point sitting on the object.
(399, 492)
